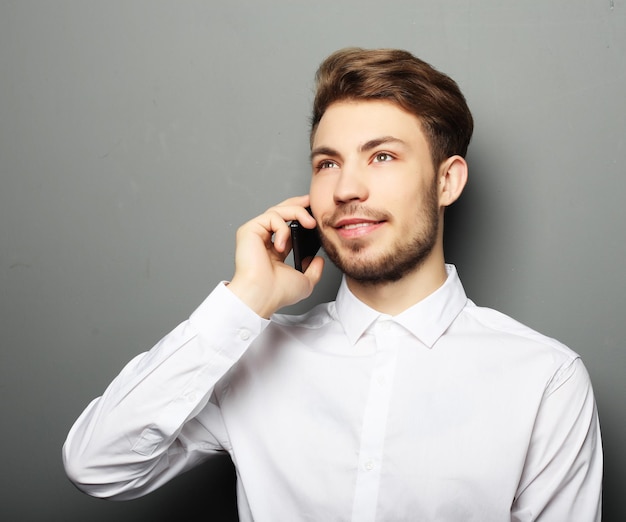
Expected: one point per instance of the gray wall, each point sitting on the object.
(135, 136)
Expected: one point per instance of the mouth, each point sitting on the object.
(354, 227)
(352, 223)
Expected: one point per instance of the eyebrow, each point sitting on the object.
(367, 146)
(323, 151)
(372, 144)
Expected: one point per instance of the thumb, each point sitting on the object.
(314, 271)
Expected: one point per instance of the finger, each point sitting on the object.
(313, 272)
(295, 209)
(281, 232)
(288, 246)
(298, 201)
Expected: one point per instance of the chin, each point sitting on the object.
(372, 264)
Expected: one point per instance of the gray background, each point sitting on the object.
(135, 136)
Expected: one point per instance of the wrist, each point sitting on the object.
(255, 297)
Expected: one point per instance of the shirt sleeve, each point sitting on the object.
(142, 431)
(562, 476)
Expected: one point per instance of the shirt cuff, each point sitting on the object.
(223, 311)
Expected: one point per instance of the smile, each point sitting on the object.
(358, 225)
(354, 228)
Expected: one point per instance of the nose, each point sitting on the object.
(351, 184)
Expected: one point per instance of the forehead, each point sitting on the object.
(352, 123)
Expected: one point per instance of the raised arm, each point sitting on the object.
(144, 429)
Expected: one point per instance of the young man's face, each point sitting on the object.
(374, 190)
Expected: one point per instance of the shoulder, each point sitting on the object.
(498, 326)
(520, 348)
(317, 317)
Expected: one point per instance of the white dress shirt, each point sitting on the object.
(445, 412)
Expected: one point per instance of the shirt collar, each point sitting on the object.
(426, 320)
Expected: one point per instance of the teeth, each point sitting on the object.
(356, 225)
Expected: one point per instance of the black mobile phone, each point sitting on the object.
(305, 242)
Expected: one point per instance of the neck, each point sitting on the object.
(393, 297)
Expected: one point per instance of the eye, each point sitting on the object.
(381, 157)
(326, 164)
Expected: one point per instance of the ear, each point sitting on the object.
(452, 180)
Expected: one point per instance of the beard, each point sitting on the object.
(404, 256)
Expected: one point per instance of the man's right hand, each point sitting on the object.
(262, 279)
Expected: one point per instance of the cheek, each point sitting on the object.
(408, 202)
(320, 194)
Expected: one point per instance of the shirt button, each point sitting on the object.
(369, 465)
(244, 334)
(381, 380)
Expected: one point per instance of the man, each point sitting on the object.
(399, 401)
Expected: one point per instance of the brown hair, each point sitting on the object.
(398, 76)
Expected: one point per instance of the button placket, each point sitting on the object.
(375, 419)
